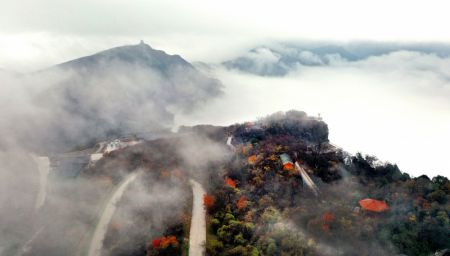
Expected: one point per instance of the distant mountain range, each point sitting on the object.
(282, 58)
(141, 54)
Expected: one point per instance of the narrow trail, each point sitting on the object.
(197, 234)
(102, 226)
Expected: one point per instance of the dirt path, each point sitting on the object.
(197, 234)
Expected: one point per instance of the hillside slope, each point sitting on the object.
(259, 206)
(131, 89)
(275, 186)
(262, 207)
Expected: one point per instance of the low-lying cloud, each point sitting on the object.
(280, 59)
(126, 91)
(393, 105)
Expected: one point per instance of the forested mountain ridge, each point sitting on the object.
(257, 207)
(276, 186)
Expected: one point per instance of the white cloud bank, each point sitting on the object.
(394, 106)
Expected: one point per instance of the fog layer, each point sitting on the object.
(395, 106)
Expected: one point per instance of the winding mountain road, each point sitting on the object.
(231, 146)
(102, 226)
(197, 234)
(43, 164)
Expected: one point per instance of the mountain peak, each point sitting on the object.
(122, 90)
(140, 54)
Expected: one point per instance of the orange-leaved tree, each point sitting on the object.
(208, 200)
(230, 182)
(242, 202)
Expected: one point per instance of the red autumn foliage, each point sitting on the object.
(242, 202)
(164, 242)
(328, 217)
(156, 242)
(373, 205)
(252, 159)
(230, 182)
(208, 200)
(169, 240)
(288, 167)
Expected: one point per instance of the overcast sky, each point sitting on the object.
(38, 33)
